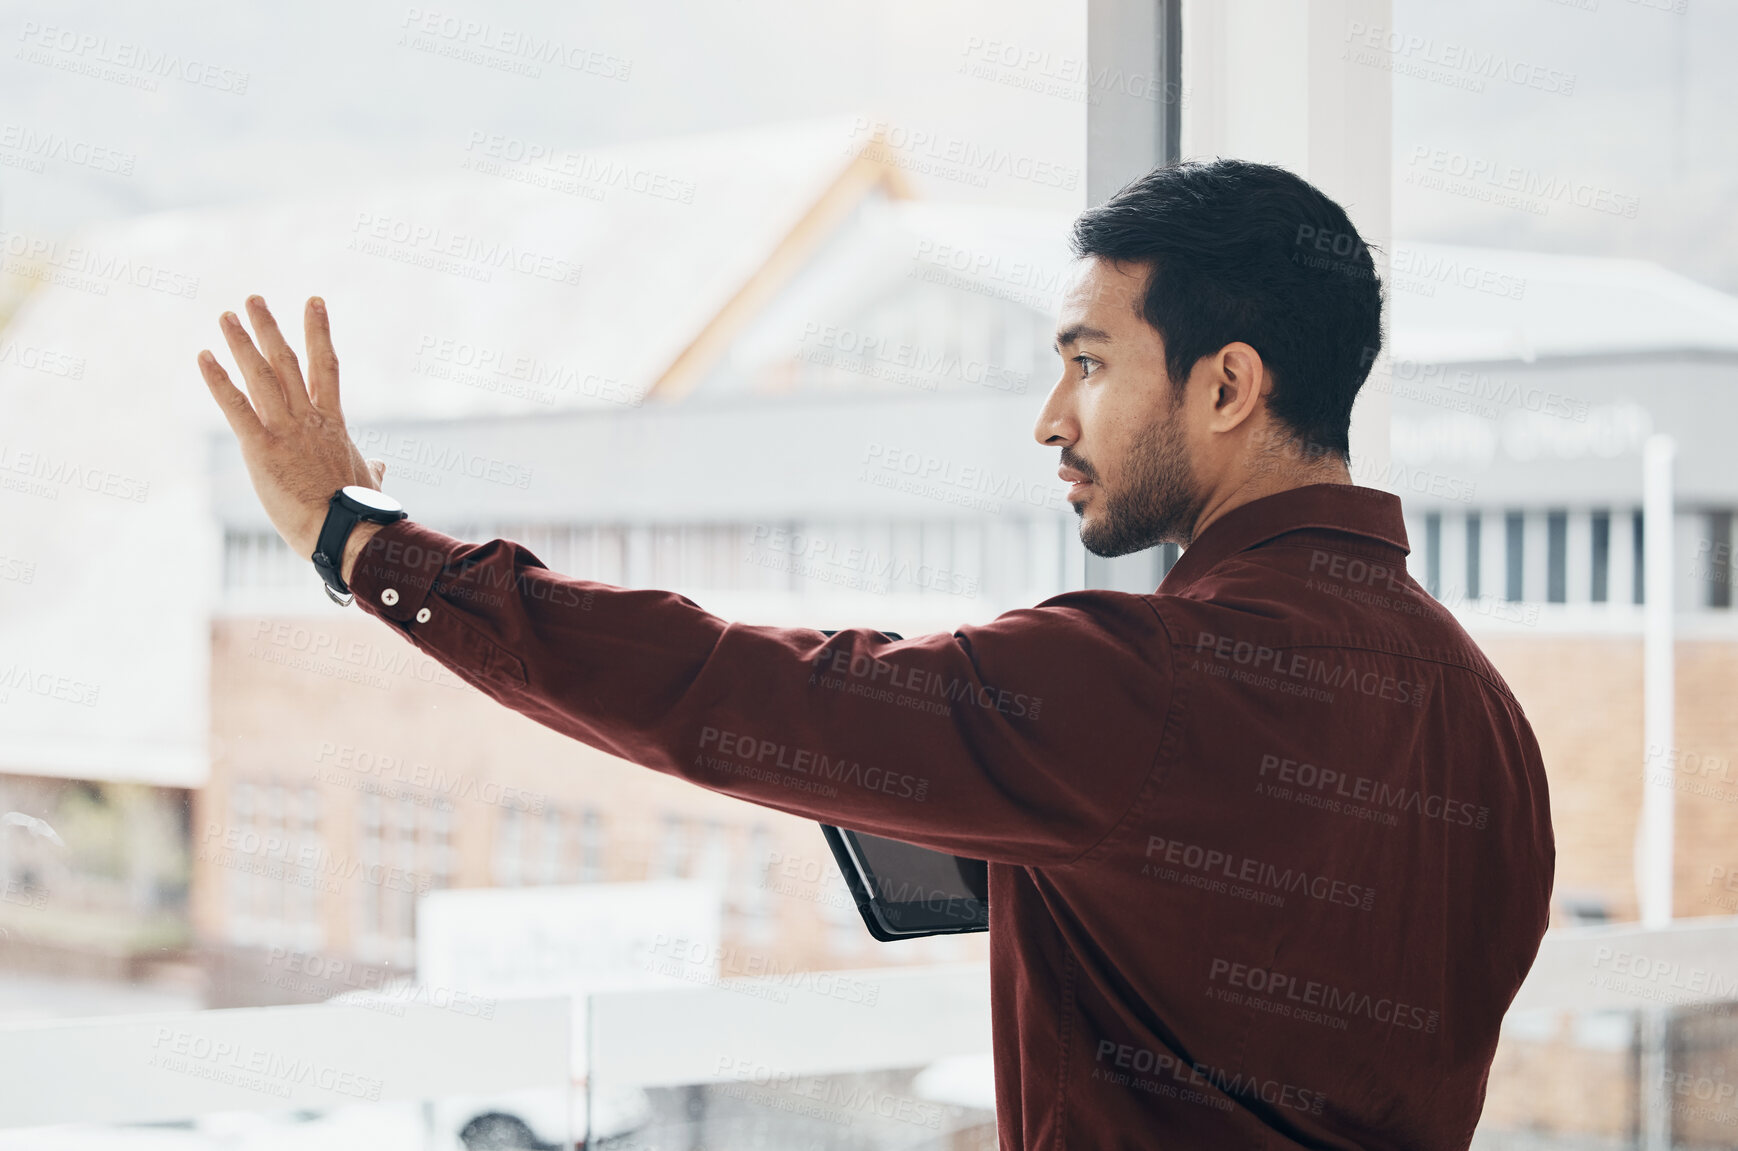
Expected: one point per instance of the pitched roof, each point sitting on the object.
(1456, 304)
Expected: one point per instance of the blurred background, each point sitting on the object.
(753, 300)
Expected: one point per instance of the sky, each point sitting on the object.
(1631, 102)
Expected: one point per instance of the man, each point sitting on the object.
(1270, 849)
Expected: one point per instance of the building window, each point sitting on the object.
(1638, 537)
(672, 857)
(1515, 554)
(590, 846)
(1474, 537)
(552, 845)
(1556, 557)
(1716, 559)
(1601, 584)
(1433, 554)
(509, 848)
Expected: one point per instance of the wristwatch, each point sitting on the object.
(350, 505)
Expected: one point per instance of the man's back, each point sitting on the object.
(1310, 921)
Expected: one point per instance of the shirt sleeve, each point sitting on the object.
(1024, 740)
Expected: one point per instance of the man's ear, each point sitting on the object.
(1239, 378)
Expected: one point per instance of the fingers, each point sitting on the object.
(262, 379)
(279, 354)
(240, 414)
(377, 469)
(322, 360)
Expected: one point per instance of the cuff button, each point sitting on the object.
(422, 615)
(389, 596)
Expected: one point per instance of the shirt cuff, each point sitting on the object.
(396, 570)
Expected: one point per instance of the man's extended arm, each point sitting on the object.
(1024, 740)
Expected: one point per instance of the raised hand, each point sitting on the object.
(291, 432)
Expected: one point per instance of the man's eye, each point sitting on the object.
(1086, 365)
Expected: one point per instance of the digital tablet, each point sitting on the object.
(906, 892)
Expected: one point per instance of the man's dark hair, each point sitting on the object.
(1251, 252)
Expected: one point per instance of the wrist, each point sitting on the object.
(359, 537)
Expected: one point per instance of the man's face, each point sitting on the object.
(1117, 419)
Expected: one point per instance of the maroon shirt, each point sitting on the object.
(1270, 849)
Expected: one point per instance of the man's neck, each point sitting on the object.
(1253, 486)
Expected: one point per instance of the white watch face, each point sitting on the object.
(369, 498)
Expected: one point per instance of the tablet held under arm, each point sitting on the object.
(907, 892)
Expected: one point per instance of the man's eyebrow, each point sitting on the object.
(1073, 333)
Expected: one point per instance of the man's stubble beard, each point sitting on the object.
(1158, 501)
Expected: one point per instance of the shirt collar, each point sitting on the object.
(1349, 508)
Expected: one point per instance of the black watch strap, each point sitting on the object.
(342, 516)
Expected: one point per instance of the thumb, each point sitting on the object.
(377, 469)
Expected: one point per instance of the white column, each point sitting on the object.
(1579, 561)
(1534, 556)
(1493, 553)
(1453, 557)
(1654, 845)
(1620, 573)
